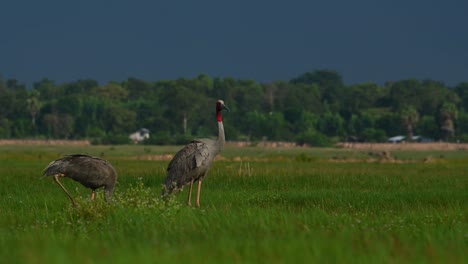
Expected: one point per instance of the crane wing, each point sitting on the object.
(190, 163)
(90, 171)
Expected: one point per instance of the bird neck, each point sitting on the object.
(109, 192)
(221, 138)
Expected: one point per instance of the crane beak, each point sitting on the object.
(227, 109)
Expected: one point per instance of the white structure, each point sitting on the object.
(397, 139)
(139, 136)
(400, 139)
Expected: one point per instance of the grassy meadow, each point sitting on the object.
(258, 205)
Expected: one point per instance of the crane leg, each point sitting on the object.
(92, 196)
(56, 179)
(198, 193)
(190, 194)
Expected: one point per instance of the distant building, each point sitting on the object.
(422, 139)
(399, 139)
(396, 139)
(139, 136)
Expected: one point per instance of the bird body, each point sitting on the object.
(91, 172)
(192, 163)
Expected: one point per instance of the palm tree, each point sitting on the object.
(34, 105)
(448, 112)
(409, 118)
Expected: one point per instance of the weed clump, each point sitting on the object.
(138, 197)
(305, 158)
(91, 215)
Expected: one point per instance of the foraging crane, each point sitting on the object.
(192, 162)
(92, 172)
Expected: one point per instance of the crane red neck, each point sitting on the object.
(219, 107)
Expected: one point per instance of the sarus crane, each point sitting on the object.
(191, 163)
(91, 172)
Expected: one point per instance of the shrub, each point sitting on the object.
(115, 140)
(374, 135)
(313, 138)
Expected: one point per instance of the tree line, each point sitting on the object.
(314, 108)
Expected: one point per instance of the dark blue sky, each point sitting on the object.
(366, 40)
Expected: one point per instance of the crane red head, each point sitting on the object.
(219, 107)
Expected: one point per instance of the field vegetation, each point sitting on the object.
(258, 205)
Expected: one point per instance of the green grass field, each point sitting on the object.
(257, 206)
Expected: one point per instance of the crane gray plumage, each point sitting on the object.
(91, 172)
(190, 163)
(193, 162)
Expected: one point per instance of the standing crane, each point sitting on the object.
(192, 162)
(92, 172)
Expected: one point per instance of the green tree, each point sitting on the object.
(409, 118)
(433, 94)
(462, 126)
(79, 87)
(403, 93)
(181, 103)
(361, 97)
(59, 125)
(112, 91)
(275, 127)
(255, 125)
(6, 103)
(5, 128)
(462, 91)
(331, 125)
(313, 138)
(271, 90)
(361, 126)
(448, 113)
(118, 120)
(47, 90)
(428, 126)
(138, 89)
(390, 122)
(329, 82)
(34, 106)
